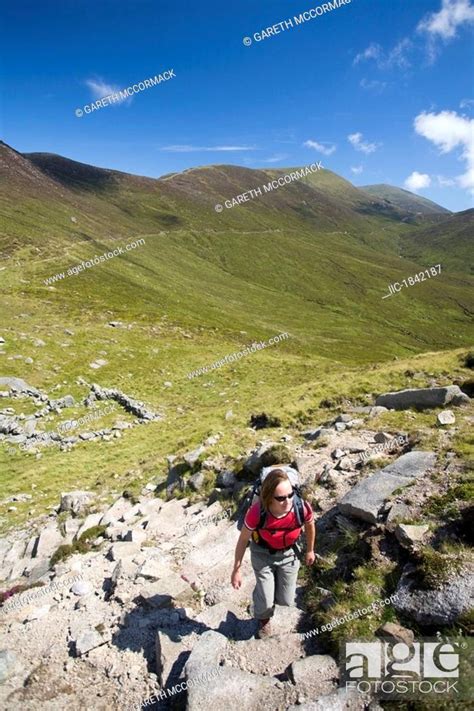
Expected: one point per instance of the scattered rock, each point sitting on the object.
(38, 613)
(8, 664)
(88, 640)
(99, 363)
(81, 588)
(315, 675)
(76, 501)
(411, 536)
(382, 437)
(442, 606)
(396, 633)
(192, 457)
(446, 418)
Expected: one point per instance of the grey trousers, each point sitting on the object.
(276, 575)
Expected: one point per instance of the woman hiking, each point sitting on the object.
(272, 552)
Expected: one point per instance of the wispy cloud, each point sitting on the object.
(276, 158)
(466, 103)
(445, 182)
(417, 181)
(326, 150)
(357, 169)
(373, 85)
(100, 88)
(355, 139)
(449, 131)
(210, 149)
(396, 58)
(373, 51)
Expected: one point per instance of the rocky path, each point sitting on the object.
(149, 605)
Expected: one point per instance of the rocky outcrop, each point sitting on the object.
(442, 606)
(367, 499)
(423, 398)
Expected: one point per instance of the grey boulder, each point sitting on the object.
(367, 499)
(423, 398)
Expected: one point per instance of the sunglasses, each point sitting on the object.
(283, 498)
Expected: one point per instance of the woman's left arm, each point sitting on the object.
(310, 533)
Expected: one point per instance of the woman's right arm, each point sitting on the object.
(240, 549)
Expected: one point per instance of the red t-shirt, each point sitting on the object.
(277, 539)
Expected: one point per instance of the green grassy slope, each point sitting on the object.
(313, 258)
(450, 242)
(405, 200)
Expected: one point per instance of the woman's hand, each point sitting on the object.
(310, 558)
(236, 578)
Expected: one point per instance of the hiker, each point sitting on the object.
(273, 548)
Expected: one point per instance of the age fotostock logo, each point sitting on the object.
(400, 670)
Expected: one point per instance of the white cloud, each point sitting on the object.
(446, 21)
(417, 181)
(217, 149)
(355, 139)
(327, 151)
(395, 58)
(445, 182)
(276, 158)
(373, 51)
(373, 85)
(447, 130)
(466, 103)
(357, 169)
(100, 89)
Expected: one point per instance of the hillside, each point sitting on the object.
(412, 205)
(449, 242)
(313, 258)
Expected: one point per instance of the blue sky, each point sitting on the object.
(378, 90)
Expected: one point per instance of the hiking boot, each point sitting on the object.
(264, 629)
